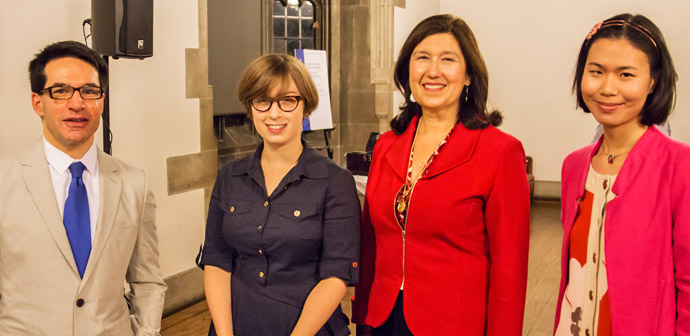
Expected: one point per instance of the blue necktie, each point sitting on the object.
(76, 218)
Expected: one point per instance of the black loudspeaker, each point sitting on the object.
(122, 28)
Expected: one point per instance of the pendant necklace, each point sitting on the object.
(611, 157)
(402, 198)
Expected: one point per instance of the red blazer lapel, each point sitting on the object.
(456, 151)
(398, 155)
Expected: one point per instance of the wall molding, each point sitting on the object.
(381, 28)
(547, 190)
(184, 289)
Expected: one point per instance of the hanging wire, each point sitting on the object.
(106, 126)
(83, 30)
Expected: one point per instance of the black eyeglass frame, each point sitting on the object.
(276, 100)
(50, 92)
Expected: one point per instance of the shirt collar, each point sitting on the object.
(310, 164)
(61, 161)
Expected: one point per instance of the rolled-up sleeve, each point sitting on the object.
(216, 251)
(340, 252)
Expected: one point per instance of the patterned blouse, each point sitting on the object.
(585, 310)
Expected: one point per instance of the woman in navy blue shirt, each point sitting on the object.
(282, 235)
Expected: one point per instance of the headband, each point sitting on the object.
(620, 23)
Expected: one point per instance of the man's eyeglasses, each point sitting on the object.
(64, 92)
(287, 103)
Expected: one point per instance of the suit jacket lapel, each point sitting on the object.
(36, 175)
(579, 175)
(110, 184)
(398, 155)
(456, 151)
(630, 172)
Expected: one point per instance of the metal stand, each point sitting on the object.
(326, 136)
(107, 135)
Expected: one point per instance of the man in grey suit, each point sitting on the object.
(75, 223)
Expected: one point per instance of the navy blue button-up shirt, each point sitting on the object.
(281, 246)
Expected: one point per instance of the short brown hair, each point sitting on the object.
(267, 71)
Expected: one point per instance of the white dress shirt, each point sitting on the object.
(59, 163)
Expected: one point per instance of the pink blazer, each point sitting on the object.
(647, 235)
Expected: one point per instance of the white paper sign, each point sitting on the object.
(317, 66)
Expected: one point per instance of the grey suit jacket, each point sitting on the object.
(40, 289)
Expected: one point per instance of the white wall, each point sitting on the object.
(150, 117)
(404, 20)
(530, 48)
(26, 26)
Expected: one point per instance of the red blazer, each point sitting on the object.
(464, 259)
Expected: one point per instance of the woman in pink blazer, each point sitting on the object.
(445, 226)
(626, 198)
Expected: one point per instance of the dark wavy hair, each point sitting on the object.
(62, 49)
(645, 36)
(472, 114)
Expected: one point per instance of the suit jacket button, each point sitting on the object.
(80, 302)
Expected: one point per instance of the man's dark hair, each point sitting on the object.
(37, 66)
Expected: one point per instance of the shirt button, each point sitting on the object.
(232, 209)
(587, 332)
(261, 274)
(259, 228)
(594, 257)
(80, 302)
(297, 213)
(261, 252)
(606, 183)
(591, 295)
(266, 203)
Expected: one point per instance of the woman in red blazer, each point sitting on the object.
(445, 227)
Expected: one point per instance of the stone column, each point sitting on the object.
(357, 117)
(381, 53)
(195, 170)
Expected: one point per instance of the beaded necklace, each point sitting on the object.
(402, 199)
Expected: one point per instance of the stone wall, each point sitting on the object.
(357, 97)
(360, 34)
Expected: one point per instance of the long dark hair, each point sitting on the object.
(472, 114)
(645, 36)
